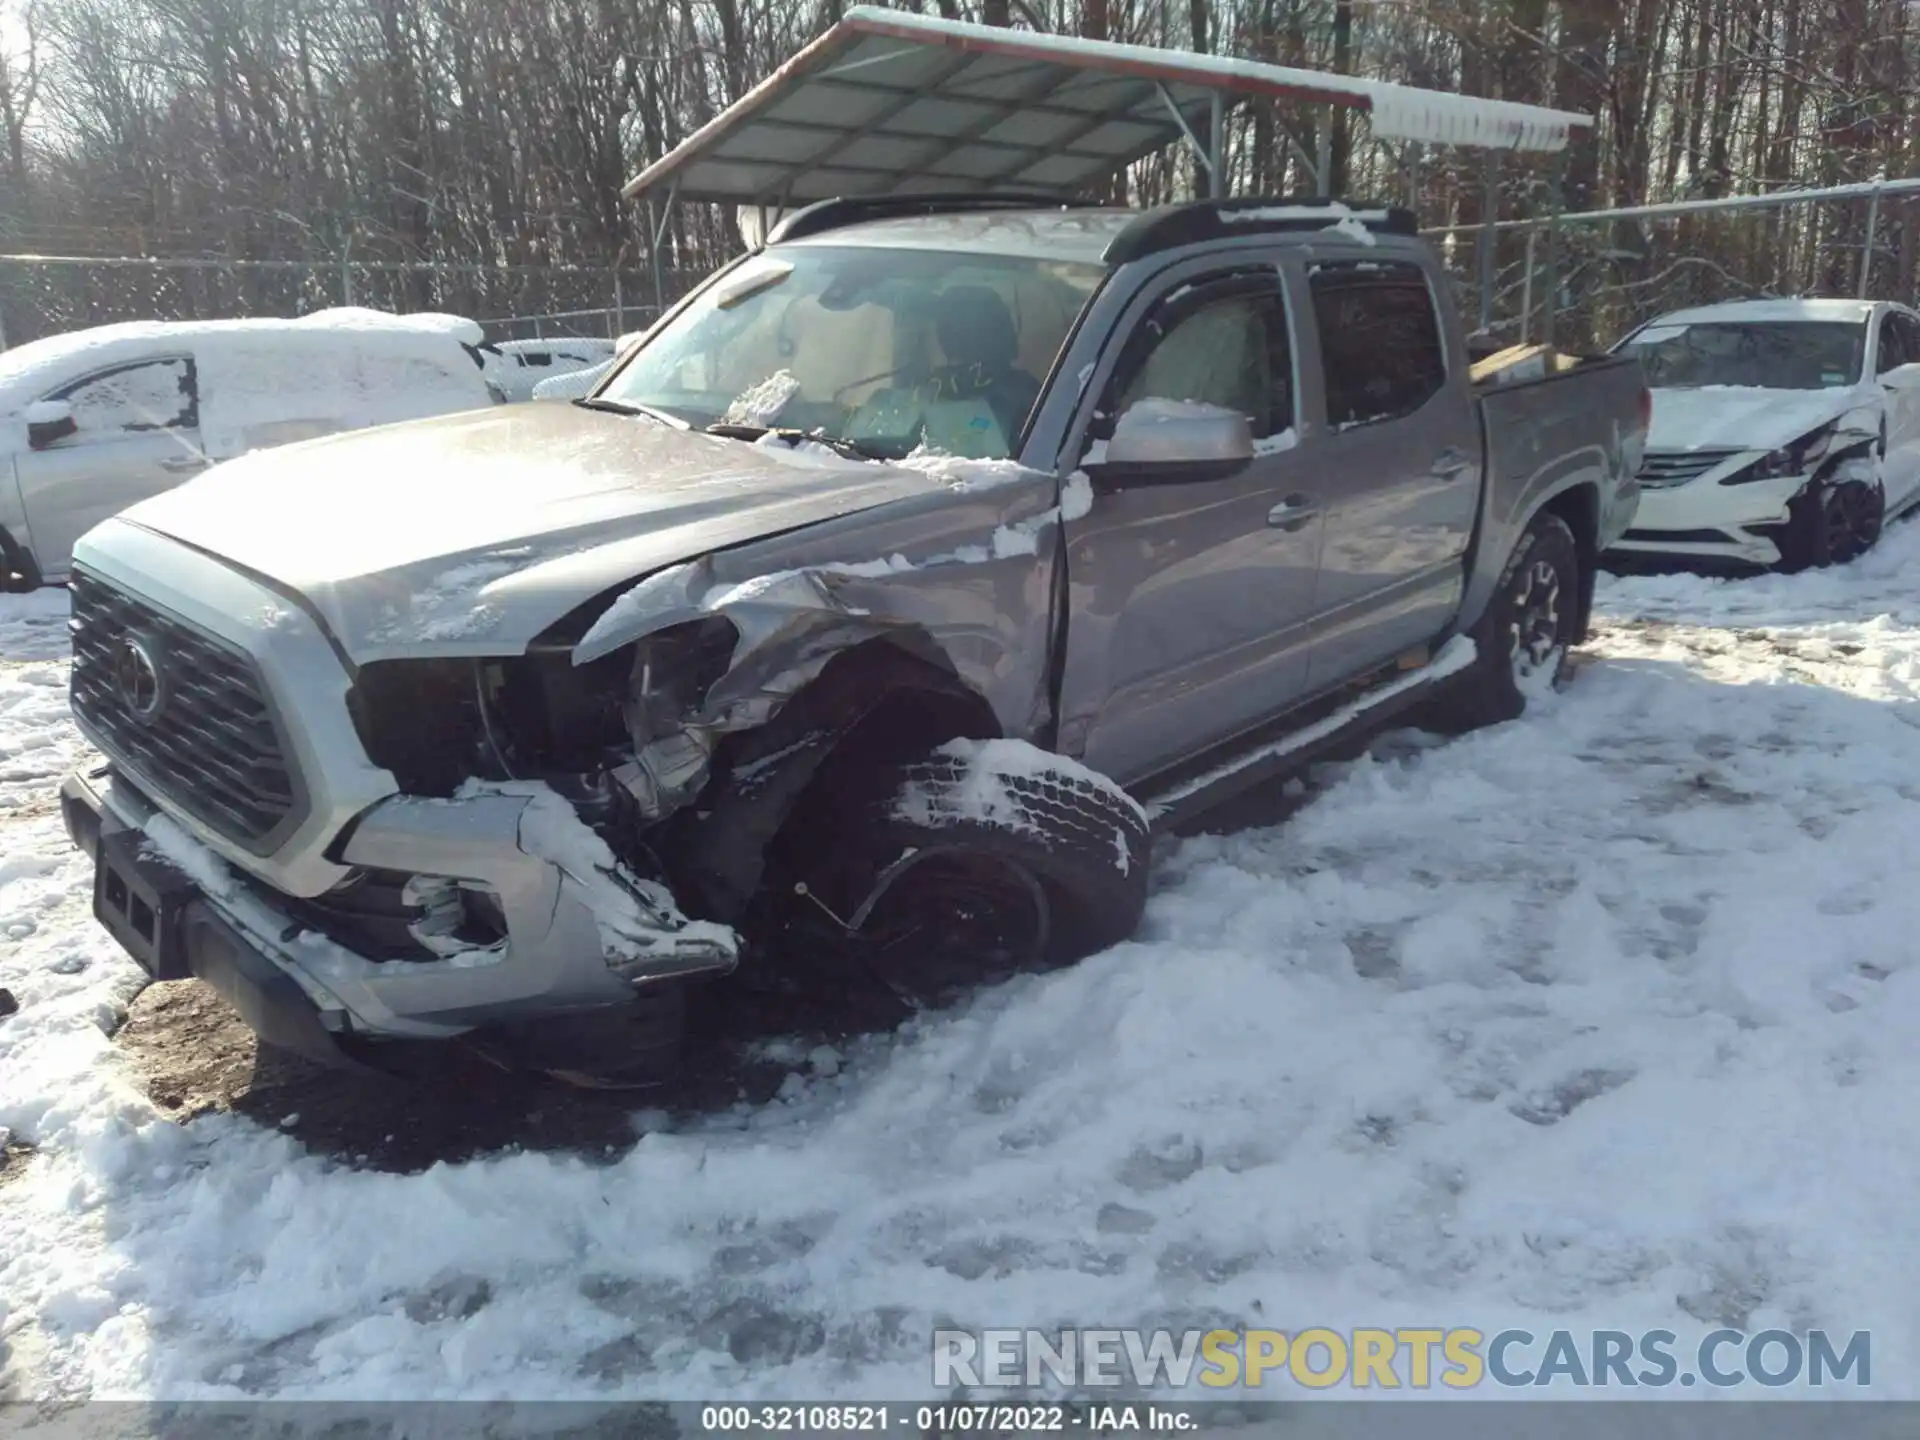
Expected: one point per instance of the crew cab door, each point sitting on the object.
(1897, 369)
(1397, 440)
(1188, 597)
(135, 432)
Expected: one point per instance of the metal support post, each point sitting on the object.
(1556, 202)
(1866, 249)
(1489, 215)
(1526, 287)
(657, 236)
(1202, 154)
(1323, 163)
(1217, 145)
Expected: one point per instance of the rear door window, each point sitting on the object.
(1380, 344)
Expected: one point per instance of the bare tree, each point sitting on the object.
(495, 134)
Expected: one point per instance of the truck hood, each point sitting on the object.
(1733, 417)
(470, 534)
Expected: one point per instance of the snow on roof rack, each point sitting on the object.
(843, 210)
(888, 102)
(1192, 221)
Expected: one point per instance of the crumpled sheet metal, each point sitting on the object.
(982, 610)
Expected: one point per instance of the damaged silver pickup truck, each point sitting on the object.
(865, 624)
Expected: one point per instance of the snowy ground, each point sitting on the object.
(1604, 1018)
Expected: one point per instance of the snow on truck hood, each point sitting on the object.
(470, 534)
(1738, 417)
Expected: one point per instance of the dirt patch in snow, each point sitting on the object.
(14, 1158)
(194, 1055)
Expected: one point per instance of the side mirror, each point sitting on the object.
(1174, 442)
(49, 421)
(1902, 377)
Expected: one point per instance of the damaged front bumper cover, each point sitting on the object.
(577, 936)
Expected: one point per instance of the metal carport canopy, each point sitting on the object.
(888, 102)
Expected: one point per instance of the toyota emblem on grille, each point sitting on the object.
(142, 682)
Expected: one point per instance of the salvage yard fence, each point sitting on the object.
(1576, 279)
(1588, 277)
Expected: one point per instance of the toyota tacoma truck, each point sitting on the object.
(863, 627)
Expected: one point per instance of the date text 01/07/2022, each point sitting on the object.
(945, 1419)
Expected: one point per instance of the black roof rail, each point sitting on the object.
(824, 215)
(1192, 221)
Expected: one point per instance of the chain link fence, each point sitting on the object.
(1586, 279)
(1579, 280)
(48, 294)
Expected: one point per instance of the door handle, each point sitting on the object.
(1292, 513)
(179, 464)
(1451, 462)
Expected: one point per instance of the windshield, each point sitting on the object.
(1782, 355)
(882, 350)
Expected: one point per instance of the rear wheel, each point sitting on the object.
(1523, 638)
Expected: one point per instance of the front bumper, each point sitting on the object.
(180, 912)
(1705, 519)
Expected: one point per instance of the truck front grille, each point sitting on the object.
(185, 712)
(1663, 468)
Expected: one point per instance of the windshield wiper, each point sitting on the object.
(852, 449)
(621, 407)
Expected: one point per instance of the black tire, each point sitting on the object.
(1523, 638)
(946, 896)
(18, 571)
(1834, 521)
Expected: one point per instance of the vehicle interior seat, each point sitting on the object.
(981, 345)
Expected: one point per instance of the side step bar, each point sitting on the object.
(1173, 805)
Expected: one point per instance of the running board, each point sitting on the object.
(1186, 799)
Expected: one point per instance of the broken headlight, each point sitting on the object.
(1794, 459)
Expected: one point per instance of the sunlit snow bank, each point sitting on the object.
(1599, 1019)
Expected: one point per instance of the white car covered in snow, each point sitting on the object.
(517, 368)
(577, 384)
(96, 420)
(1785, 432)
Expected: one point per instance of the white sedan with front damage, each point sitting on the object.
(1785, 432)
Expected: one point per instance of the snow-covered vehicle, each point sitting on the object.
(578, 384)
(1785, 432)
(868, 621)
(518, 367)
(95, 420)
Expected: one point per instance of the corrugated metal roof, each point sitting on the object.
(888, 102)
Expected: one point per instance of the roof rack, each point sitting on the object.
(825, 215)
(1192, 221)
